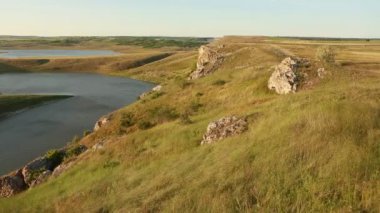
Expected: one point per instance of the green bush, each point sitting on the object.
(182, 83)
(326, 54)
(75, 139)
(111, 164)
(55, 157)
(163, 114)
(73, 151)
(86, 133)
(195, 106)
(199, 94)
(219, 83)
(127, 119)
(156, 95)
(185, 119)
(34, 174)
(143, 125)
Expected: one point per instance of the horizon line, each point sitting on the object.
(173, 36)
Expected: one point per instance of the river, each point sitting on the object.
(29, 134)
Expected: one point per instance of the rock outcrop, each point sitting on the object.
(35, 168)
(155, 89)
(62, 168)
(223, 128)
(321, 73)
(40, 170)
(98, 146)
(284, 78)
(101, 122)
(12, 184)
(208, 61)
(42, 178)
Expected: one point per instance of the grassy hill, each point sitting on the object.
(315, 151)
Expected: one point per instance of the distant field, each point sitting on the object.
(145, 42)
(136, 52)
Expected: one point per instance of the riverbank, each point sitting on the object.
(52, 125)
(10, 104)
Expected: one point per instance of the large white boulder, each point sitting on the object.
(284, 78)
(208, 61)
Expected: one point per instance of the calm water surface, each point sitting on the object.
(54, 53)
(29, 134)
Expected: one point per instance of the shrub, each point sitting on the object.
(42, 61)
(34, 174)
(199, 94)
(326, 54)
(74, 151)
(75, 139)
(86, 133)
(195, 106)
(219, 83)
(157, 95)
(143, 125)
(111, 164)
(127, 119)
(162, 114)
(182, 83)
(185, 119)
(55, 157)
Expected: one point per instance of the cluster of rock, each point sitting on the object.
(321, 73)
(102, 122)
(284, 78)
(155, 89)
(12, 184)
(208, 61)
(63, 167)
(36, 172)
(223, 128)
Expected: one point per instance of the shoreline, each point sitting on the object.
(57, 97)
(25, 102)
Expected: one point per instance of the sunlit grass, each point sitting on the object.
(314, 151)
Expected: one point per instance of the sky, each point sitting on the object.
(202, 18)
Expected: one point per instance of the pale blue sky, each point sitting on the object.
(329, 18)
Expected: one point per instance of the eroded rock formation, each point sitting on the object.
(39, 170)
(208, 61)
(284, 78)
(62, 168)
(155, 89)
(12, 184)
(321, 73)
(42, 178)
(35, 168)
(223, 128)
(101, 122)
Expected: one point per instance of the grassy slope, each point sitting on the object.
(317, 150)
(12, 103)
